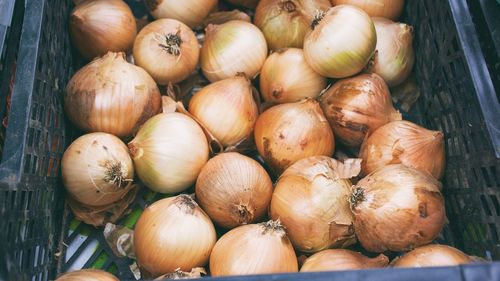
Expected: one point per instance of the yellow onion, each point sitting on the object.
(96, 169)
(432, 255)
(173, 233)
(358, 106)
(227, 109)
(289, 132)
(96, 27)
(250, 4)
(285, 23)
(341, 43)
(341, 259)
(397, 208)
(87, 275)
(111, 95)
(190, 12)
(402, 142)
(230, 48)
(167, 49)
(311, 199)
(394, 56)
(390, 9)
(234, 189)
(168, 152)
(286, 77)
(253, 249)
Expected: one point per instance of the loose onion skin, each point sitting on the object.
(250, 4)
(96, 169)
(341, 259)
(234, 189)
(168, 50)
(289, 132)
(311, 199)
(92, 93)
(97, 27)
(390, 9)
(230, 48)
(173, 233)
(432, 255)
(285, 23)
(281, 83)
(402, 142)
(87, 275)
(168, 152)
(253, 249)
(190, 12)
(348, 46)
(397, 208)
(357, 106)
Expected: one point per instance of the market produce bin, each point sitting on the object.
(39, 237)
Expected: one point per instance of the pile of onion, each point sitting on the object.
(432, 255)
(406, 143)
(341, 259)
(390, 9)
(311, 199)
(357, 106)
(397, 208)
(87, 275)
(289, 132)
(190, 12)
(234, 189)
(173, 233)
(111, 95)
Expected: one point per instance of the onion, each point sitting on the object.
(341, 259)
(96, 27)
(280, 83)
(289, 132)
(394, 56)
(169, 152)
(311, 199)
(405, 143)
(285, 23)
(234, 189)
(253, 249)
(232, 47)
(167, 49)
(87, 275)
(97, 170)
(111, 95)
(390, 9)
(341, 43)
(227, 109)
(250, 4)
(397, 208)
(433, 255)
(358, 106)
(173, 233)
(190, 12)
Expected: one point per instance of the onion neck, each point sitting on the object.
(273, 227)
(357, 196)
(318, 17)
(243, 214)
(171, 43)
(288, 6)
(186, 203)
(135, 151)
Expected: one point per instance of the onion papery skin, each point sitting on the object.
(311, 199)
(289, 132)
(342, 43)
(96, 169)
(250, 4)
(357, 106)
(231, 48)
(432, 255)
(234, 190)
(282, 83)
(87, 275)
(397, 208)
(190, 12)
(98, 27)
(169, 152)
(403, 142)
(342, 259)
(391, 9)
(173, 233)
(227, 109)
(286, 23)
(111, 95)
(253, 249)
(168, 50)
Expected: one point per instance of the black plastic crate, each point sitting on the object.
(458, 98)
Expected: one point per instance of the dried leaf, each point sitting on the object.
(120, 239)
(168, 104)
(245, 146)
(406, 94)
(136, 271)
(225, 16)
(196, 272)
